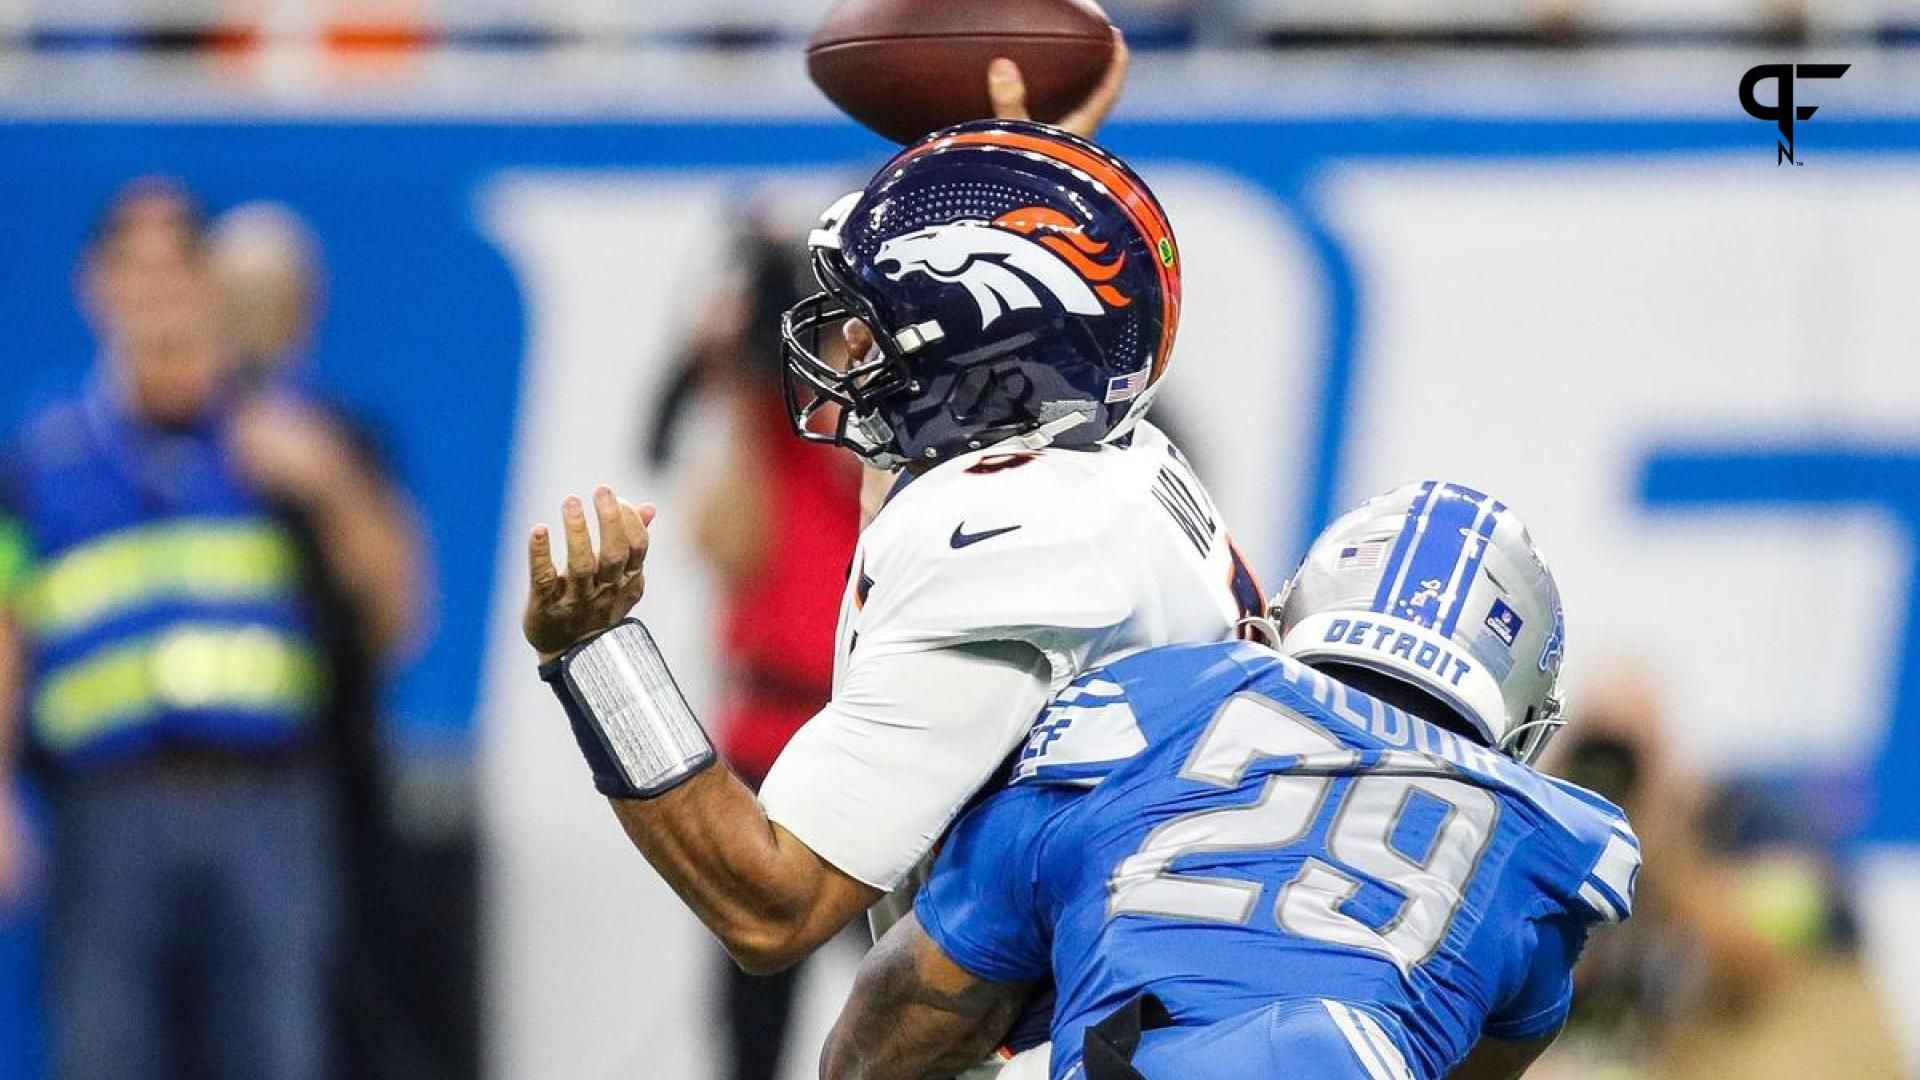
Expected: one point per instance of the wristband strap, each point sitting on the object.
(632, 724)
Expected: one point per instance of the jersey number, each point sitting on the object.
(1369, 815)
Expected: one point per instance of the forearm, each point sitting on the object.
(767, 897)
(914, 1013)
(912, 1042)
(1498, 1059)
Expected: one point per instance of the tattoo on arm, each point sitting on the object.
(916, 1015)
(1498, 1059)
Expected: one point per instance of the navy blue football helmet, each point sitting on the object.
(1020, 283)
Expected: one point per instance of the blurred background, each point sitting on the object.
(309, 309)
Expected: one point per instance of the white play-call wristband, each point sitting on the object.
(623, 691)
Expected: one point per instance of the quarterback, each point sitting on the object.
(1008, 294)
(1330, 860)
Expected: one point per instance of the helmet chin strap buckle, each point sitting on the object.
(1041, 437)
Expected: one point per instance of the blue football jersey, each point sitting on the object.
(1228, 829)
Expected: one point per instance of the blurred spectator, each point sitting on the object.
(407, 998)
(167, 677)
(1736, 962)
(777, 528)
(165, 672)
(292, 444)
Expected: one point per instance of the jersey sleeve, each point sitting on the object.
(983, 904)
(874, 779)
(1605, 892)
(1597, 853)
(1539, 1006)
(1008, 556)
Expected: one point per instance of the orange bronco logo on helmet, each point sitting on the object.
(1007, 264)
(1068, 239)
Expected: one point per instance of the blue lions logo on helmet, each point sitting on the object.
(1555, 646)
(1018, 282)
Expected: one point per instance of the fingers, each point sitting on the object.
(594, 591)
(1085, 121)
(614, 543)
(635, 520)
(632, 584)
(573, 519)
(1007, 90)
(1116, 76)
(540, 569)
(623, 531)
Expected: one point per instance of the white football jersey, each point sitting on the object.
(1078, 556)
(1085, 554)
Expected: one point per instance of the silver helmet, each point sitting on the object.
(1439, 586)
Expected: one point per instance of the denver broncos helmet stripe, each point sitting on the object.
(1118, 179)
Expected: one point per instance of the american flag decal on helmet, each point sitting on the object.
(1127, 387)
(1360, 556)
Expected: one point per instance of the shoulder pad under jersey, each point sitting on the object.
(993, 547)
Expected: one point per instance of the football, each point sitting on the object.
(908, 67)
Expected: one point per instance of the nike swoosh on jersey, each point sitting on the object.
(961, 538)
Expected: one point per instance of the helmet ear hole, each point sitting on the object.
(970, 393)
(990, 397)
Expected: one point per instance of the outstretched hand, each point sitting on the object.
(1007, 89)
(594, 591)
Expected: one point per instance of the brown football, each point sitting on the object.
(908, 67)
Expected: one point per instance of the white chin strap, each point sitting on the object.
(1041, 437)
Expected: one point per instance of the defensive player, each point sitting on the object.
(1329, 861)
(1010, 294)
